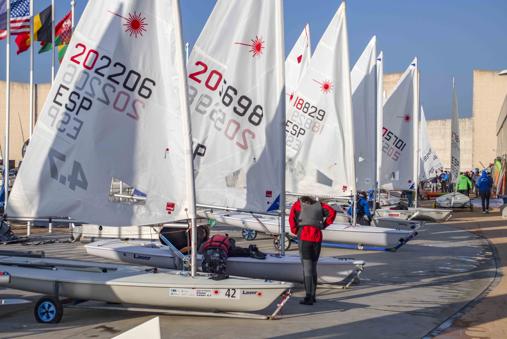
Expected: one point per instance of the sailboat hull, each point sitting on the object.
(331, 270)
(335, 233)
(134, 285)
(419, 213)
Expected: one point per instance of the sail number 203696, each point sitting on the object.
(227, 112)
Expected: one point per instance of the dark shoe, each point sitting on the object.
(314, 300)
(306, 301)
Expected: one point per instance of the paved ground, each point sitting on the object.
(402, 295)
(486, 318)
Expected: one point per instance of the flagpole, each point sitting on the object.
(30, 115)
(7, 102)
(72, 8)
(53, 41)
(186, 52)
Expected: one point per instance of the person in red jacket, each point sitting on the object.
(307, 219)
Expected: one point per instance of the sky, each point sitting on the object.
(449, 37)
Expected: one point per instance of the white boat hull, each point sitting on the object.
(419, 213)
(335, 233)
(330, 270)
(453, 200)
(134, 285)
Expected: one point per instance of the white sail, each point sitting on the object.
(363, 80)
(429, 162)
(320, 159)
(455, 147)
(117, 109)
(237, 100)
(398, 135)
(297, 62)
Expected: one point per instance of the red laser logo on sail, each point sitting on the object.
(256, 45)
(326, 86)
(406, 118)
(135, 24)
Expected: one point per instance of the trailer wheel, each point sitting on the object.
(248, 234)
(48, 310)
(276, 242)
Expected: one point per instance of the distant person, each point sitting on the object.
(434, 183)
(363, 213)
(464, 184)
(307, 219)
(444, 177)
(484, 186)
(409, 193)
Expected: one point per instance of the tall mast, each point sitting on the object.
(380, 117)
(281, 80)
(188, 140)
(416, 131)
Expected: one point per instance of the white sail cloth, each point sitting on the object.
(363, 80)
(455, 139)
(430, 163)
(398, 135)
(320, 159)
(237, 100)
(297, 62)
(117, 109)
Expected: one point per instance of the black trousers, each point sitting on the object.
(485, 200)
(310, 253)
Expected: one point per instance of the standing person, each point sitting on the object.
(363, 213)
(443, 181)
(464, 184)
(409, 193)
(484, 186)
(307, 219)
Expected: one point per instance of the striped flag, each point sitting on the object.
(20, 17)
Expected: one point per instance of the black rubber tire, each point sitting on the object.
(276, 242)
(48, 310)
(248, 234)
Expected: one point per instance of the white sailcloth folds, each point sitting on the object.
(455, 146)
(320, 154)
(398, 132)
(297, 62)
(117, 109)
(237, 99)
(429, 164)
(363, 80)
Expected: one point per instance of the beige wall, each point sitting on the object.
(489, 93)
(439, 133)
(390, 81)
(19, 125)
(501, 131)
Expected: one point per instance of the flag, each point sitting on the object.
(20, 17)
(42, 25)
(23, 42)
(63, 33)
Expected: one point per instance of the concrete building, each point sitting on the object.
(439, 133)
(490, 90)
(19, 124)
